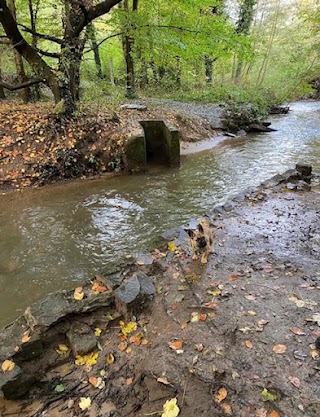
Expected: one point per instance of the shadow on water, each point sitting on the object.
(55, 237)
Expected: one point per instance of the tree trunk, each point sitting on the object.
(2, 94)
(33, 19)
(95, 49)
(208, 65)
(128, 44)
(21, 75)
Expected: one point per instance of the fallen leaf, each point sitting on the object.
(263, 322)
(297, 331)
(93, 381)
(202, 317)
(226, 407)
(251, 313)
(62, 349)
(129, 381)
(261, 412)
(128, 328)
(96, 287)
(97, 332)
(122, 346)
(84, 403)
(249, 344)
(25, 338)
(183, 325)
(268, 396)
(294, 381)
(110, 359)
(279, 348)
(59, 388)
(78, 294)
(163, 381)
(245, 330)
(7, 365)
(221, 395)
(90, 359)
(212, 304)
(274, 413)
(176, 345)
(233, 277)
(172, 246)
(170, 408)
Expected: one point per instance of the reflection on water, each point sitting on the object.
(57, 236)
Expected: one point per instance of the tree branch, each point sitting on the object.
(20, 86)
(41, 35)
(93, 12)
(105, 39)
(49, 54)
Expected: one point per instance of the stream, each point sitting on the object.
(61, 235)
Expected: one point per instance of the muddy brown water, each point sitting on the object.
(58, 236)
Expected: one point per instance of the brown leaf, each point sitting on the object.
(297, 331)
(279, 348)
(226, 408)
(176, 345)
(183, 325)
(163, 381)
(233, 277)
(263, 322)
(249, 344)
(294, 381)
(261, 412)
(221, 395)
(93, 381)
(129, 381)
(274, 413)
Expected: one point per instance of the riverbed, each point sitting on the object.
(60, 235)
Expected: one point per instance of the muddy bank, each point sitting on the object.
(36, 148)
(233, 337)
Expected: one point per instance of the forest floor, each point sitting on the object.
(235, 337)
(37, 149)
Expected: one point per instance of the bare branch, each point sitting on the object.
(55, 55)
(20, 86)
(41, 35)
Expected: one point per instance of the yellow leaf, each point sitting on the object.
(92, 358)
(110, 359)
(87, 359)
(78, 293)
(7, 365)
(62, 349)
(172, 246)
(170, 408)
(97, 332)
(222, 394)
(128, 328)
(25, 338)
(84, 403)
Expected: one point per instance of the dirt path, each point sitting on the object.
(235, 337)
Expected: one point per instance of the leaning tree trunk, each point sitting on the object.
(25, 92)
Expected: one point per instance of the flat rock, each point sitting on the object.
(129, 290)
(133, 106)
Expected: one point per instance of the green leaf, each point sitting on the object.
(59, 388)
(268, 396)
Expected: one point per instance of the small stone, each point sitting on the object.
(128, 290)
(81, 338)
(304, 169)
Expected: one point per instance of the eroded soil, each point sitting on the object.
(36, 148)
(234, 337)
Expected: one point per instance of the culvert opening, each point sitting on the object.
(157, 144)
